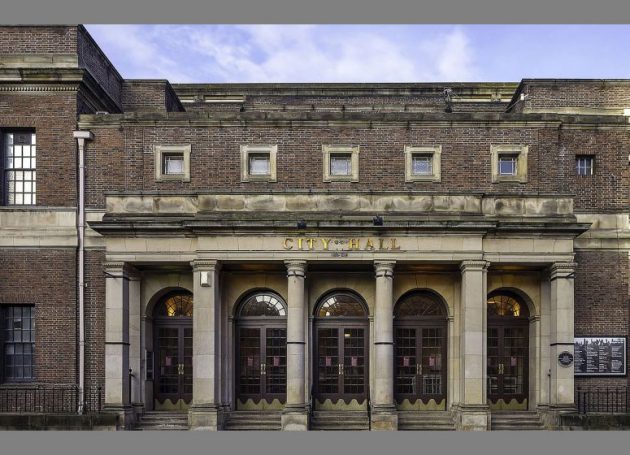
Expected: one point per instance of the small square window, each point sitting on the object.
(585, 165)
(173, 163)
(341, 164)
(508, 164)
(422, 164)
(258, 163)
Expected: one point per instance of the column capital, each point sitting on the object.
(207, 265)
(119, 269)
(384, 268)
(470, 265)
(565, 270)
(295, 267)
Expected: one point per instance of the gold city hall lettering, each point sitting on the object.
(328, 244)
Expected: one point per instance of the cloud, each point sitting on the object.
(289, 53)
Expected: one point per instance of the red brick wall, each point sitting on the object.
(60, 39)
(601, 303)
(46, 279)
(96, 62)
(597, 94)
(53, 117)
(94, 318)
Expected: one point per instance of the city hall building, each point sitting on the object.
(307, 256)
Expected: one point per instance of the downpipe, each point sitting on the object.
(81, 137)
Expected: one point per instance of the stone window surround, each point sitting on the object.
(271, 150)
(161, 150)
(353, 150)
(436, 153)
(520, 151)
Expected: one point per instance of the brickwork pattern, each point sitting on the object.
(601, 303)
(47, 280)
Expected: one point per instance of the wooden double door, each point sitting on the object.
(341, 362)
(173, 380)
(508, 364)
(420, 362)
(261, 366)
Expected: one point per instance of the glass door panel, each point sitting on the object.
(250, 368)
(275, 370)
(328, 367)
(353, 370)
(431, 367)
(187, 377)
(168, 363)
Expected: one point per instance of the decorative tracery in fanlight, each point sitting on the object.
(504, 305)
(420, 304)
(263, 304)
(341, 305)
(176, 305)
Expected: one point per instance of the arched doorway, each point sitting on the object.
(508, 351)
(173, 338)
(420, 334)
(341, 352)
(261, 352)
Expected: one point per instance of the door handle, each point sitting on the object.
(418, 369)
(262, 368)
(180, 368)
(341, 369)
(501, 368)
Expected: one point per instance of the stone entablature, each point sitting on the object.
(373, 203)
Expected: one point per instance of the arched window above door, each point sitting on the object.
(263, 304)
(506, 305)
(175, 304)
(341, 304)
(421, 303)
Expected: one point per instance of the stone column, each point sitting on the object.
(136, 322)
(384, 416)
(205, 411)
(117, 342)
(561, 277)
(473, 408)
(295, 415)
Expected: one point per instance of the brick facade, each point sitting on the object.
(558, 121)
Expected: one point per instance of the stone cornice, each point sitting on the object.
(373, 119)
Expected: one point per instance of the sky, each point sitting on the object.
(365, 53)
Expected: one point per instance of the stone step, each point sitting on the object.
(253, 421)
(252, 427)
(516, 421)
(161, 427)
(426, 428)
(146, 418)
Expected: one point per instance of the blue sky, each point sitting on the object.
(365, 53)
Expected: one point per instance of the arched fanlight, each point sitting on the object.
(505, 305)
(174, 305)
(341, 305)
(419, 304)
(263, 304)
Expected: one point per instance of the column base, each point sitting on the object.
(205, 417)
(294, 418)
(472, 417)
(125, 413)
(384, 418)
(550, 414)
